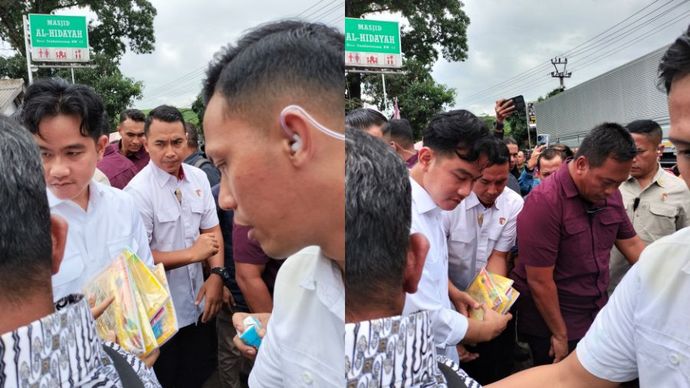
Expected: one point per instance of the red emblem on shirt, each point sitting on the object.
(502, 220)
(198, 193)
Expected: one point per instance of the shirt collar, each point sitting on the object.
(327, 280)
(471, 201)
(566, 181)
(421, 198)
(162, 177)
(95, 189)
(403, 347)
(67, 334)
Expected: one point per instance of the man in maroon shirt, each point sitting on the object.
(254, 270)
(565, 234)
(123, 159)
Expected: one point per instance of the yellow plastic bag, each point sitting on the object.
(164, 323)
(122, 316)
(152, 293)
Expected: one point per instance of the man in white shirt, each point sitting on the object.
(454, 154)
(179, 214)
(643, 329)
(274, 126)
(481, 231)
(69, 124)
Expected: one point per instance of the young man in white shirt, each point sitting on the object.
(642, 332)
(454, 154)
(179, 214)
(274, 126)
(481, 232)
(70, 125)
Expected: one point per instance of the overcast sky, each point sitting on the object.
(509, 37)
(505, 38)
(189, 33)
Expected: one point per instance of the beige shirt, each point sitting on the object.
(663, 208)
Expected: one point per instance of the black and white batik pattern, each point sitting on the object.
(62, 350)
(393, 352)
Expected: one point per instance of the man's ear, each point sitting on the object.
(660, 151)
(58, 234)
(425, 156)
(581, 165)
(300, 147)
(146, 143)
(101, 143)
(417, 249)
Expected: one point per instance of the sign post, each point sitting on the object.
(372, 43)
(59, 38)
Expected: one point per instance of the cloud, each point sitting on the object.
(189, 33)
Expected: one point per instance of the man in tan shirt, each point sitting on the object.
(656, 201)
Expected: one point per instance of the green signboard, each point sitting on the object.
(372, 43)
(58, 38)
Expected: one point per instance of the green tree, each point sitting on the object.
(419, 97)
(550, 94)
(119, 24)
(433, 28)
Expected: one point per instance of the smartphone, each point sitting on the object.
(519, 104)
(543, 139)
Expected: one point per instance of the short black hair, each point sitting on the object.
(132, 114)
(165, 113)
(509, 141)
(363, 118)
(550, 153)
(457, 132)
(378, 203)
(498, 152)
(675, 62)
(54, 96)
(25, 238)
(287, 57)
(566, 152)
(401, 132)
(192, 135)
(649, 128)
(607, 140)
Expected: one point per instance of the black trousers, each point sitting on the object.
(188, 359)
(540, 348)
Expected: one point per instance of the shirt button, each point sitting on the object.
(675, 360)
(306, 376)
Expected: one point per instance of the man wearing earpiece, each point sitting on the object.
(657, 202)
(274, 126)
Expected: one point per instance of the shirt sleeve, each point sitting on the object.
(626, 229)
(145, 208)
(608, 349)
(141, 237)
(507, 239)
(210, 217)
(539, 231)
(245, 250)
(525, 180)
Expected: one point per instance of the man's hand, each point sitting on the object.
(466, 355)
(228, 300)
(559, 348)
(495, 322)
(504, 108)
(532, 162)
(238, 321)
(97, 311)
(204, 247)
(151, 358)
(212, 290)
(463, 302)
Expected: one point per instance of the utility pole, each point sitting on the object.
(560, 74)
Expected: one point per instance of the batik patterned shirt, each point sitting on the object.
(63, 350)
(395, 351)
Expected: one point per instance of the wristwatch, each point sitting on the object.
(223, 273)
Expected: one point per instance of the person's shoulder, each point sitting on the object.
(142, 180)
(675, 184)
(195, 174)
(511, 197)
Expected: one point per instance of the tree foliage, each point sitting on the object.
(419, 97)
(431, 29)
(119, 24)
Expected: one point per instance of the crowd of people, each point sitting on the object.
(352, 248)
